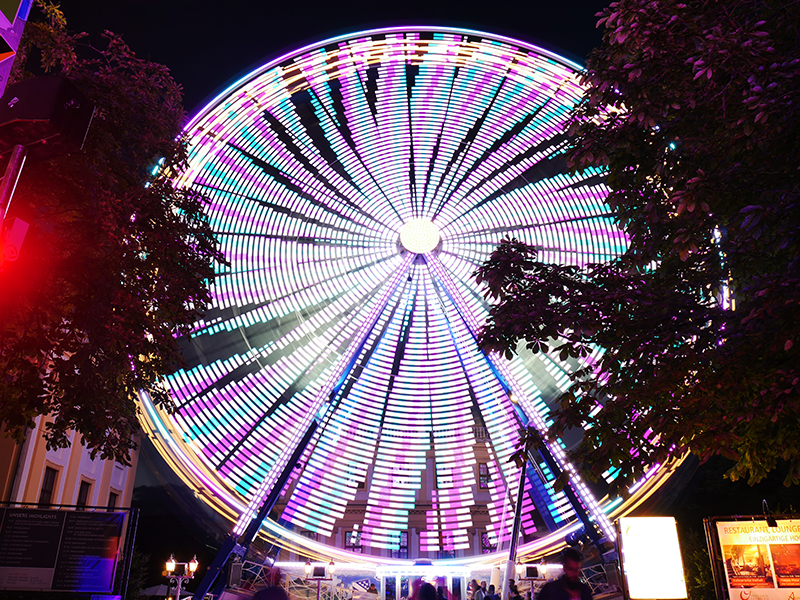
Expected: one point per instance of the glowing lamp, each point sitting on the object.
(331, 567)
(307, 568)
(651, 558)
(193, 564)
(419, 236)
(171, 564)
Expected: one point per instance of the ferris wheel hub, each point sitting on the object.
(419, 235)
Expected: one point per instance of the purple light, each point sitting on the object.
(313, 164)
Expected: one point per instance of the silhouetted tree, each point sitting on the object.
(118, 260)
(693, 109)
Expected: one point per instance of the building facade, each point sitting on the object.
(32, 474)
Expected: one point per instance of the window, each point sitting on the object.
(48, 487)
(352, 541)
(480, 433)
(83, 494)
(483, 476)
(447, 551)
(113, 498)
(311, 535)
(402, 550)
(487, 544)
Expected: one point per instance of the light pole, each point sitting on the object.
(331, 571)
(187, 573)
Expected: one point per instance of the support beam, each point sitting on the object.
(234, 546)
(266, 496)
(578, 494)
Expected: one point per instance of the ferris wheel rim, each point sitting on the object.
(198, 475)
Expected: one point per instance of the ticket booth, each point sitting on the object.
(397, 582)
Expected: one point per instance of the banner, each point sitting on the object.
(761, 562)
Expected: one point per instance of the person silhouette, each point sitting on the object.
(568, 586)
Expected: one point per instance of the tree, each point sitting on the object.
(693, 109)
(117, 261)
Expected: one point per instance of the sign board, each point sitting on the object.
(72, 551)
(651, 558)
(760, 562)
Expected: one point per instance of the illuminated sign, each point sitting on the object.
(760, 562)
(651, 558)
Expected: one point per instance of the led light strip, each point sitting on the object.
(313, 164)
(555, 449)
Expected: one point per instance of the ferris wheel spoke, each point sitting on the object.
(456, 161)
(515, 144)
(344, 364)
(569, 240)
(338, 458)
(291, 185)
(531, 411)
(530, 167)
(433, 161)
(496, 413)
(293, 212)
(257, 342)
(320, 139)
(355, 187)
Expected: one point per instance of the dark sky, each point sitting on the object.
(206, 44)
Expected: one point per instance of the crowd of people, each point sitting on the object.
(567, 587)
(480, 591)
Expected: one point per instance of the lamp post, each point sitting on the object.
(187, 573)
(331, 571)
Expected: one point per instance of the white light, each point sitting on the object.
(651, 557)
(419, 235)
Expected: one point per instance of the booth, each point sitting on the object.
(397, 580)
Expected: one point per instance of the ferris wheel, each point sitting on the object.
(355, 185)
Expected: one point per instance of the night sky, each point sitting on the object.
(209, 44)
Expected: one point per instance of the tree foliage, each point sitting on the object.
(693, 109)
(117, 260)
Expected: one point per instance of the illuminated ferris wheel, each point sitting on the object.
(355, 185)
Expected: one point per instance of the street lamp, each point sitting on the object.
(331, 571)
(543, 569)
(187, 573)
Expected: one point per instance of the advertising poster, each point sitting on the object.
(761, 562)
